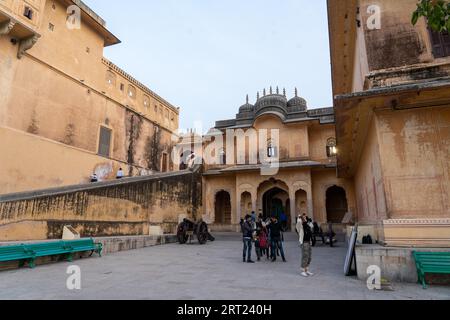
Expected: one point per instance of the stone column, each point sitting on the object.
(293, 208)
(254, 200)
(238, 207)
(309, 197)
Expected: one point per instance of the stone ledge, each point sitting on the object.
(425, 232)
(118, 244)
(397, 264)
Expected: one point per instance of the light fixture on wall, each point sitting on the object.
(332, 149)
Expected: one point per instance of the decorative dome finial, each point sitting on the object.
(264, 92)
(271, 90)
(284, 92)
(257, 95)
(296, 92)
(278, 90)
(246, 100)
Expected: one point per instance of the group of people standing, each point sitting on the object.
(268, 237)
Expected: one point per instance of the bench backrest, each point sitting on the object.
(430, 257)
(80, 243)
(9, 250)
(46, 246)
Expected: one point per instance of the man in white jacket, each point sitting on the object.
(304, 231)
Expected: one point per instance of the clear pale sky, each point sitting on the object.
(205, 56)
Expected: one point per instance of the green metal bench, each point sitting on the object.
(47, 249)
(15, 253)
(30, 252)
(84, 245)
(431, 263)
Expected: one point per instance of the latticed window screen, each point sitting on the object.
(104, 148)
(440, 42)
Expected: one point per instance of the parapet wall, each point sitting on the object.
(125, 207)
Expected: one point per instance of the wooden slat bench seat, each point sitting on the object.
(431, 263)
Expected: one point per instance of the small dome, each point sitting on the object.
(298, 103)
(247, 107)
(272, 100)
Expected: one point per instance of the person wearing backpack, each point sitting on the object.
(261, 241)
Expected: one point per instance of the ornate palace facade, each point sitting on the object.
(302, 152)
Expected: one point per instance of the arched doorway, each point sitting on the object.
(337, 205)
(275, 203)
(223, 208)
(246, 204)
(301, 202)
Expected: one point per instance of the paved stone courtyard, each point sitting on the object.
(213, 271)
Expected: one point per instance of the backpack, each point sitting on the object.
(263, 243)
(367, 240)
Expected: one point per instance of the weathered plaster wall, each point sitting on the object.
(318, 136)
(126, 207)
(33, 163)
(397, 43)
(361, 64)
(60, 91)
(415, 153)
(294, 140)
(369, 183)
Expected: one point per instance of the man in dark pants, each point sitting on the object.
(275, 229)
(247, 233)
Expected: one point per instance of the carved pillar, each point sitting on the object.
(309, 198)
(293, 207)
(6, 27)
(26, 44)
(254, 199)
(238, 207)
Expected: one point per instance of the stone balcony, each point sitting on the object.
(20, 33)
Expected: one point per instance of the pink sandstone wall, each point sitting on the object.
(369, 186)
(415, 153)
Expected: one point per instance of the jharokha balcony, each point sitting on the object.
(19, 21)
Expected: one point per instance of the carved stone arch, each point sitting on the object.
(301, 185)
(222, 206)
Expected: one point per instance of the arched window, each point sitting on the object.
(110, 78)
(132, 92)
(146, 102)
(331, 147)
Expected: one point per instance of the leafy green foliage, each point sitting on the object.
(437, 13)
